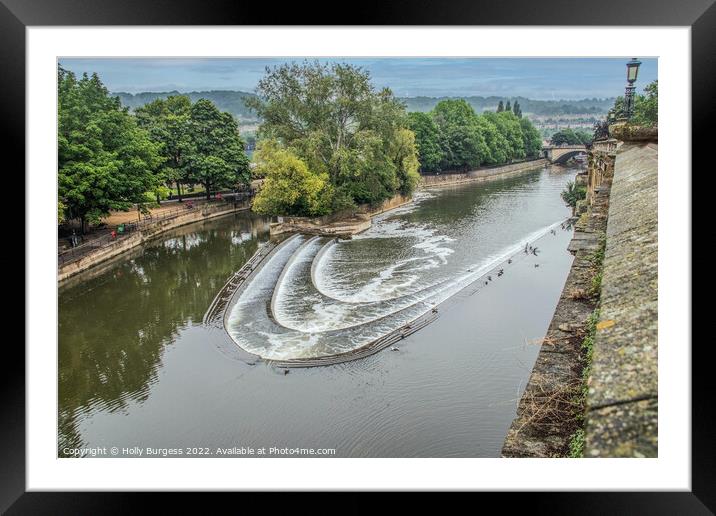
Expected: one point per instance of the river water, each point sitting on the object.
(137, 368)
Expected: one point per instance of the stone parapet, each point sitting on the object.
(622, 398)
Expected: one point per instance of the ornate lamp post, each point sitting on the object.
(632, 73)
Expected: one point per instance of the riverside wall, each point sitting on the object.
(610, 393)
(480, 174)
(125, 244)
(622, 400)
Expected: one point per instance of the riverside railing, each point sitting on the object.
(122, 231)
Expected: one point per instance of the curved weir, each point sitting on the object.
(318, 300)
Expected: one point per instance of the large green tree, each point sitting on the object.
(428, 140)
(337, 124)
(289, 188)
(646, 107)
(454, 136)
(105, 160)
(466, 144)
(218, 159)
(531, 138)
(167, 121)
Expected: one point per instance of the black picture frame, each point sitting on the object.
(700, 15)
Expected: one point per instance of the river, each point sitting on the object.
(137, 368)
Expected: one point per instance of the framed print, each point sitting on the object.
(428, 251)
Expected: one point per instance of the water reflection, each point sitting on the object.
(113, 329)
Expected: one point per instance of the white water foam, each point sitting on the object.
(329, 314)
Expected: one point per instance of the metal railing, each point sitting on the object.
(123, 231)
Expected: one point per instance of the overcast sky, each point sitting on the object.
(542, 78)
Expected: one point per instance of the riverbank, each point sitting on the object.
(139, 237)
(481, 174)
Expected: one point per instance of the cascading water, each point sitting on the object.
(317, 297)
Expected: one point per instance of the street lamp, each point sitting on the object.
(632, 73)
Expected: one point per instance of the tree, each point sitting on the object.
(290, 188)
(500, 107)
(509, 127)
(334, 121)
(428, 141)
(517, 110)
(168, 124)
(646, 107)
(573, 193)
(458, 121)
(566, 137)
(105, 160)
(508, 107)
(218, 159)
(531, 138)
(405, 156)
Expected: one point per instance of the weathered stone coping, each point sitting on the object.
(545, 418)
(481, 174)
(622, 406)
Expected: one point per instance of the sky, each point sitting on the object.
(535, 78)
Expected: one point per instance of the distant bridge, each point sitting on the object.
(561, 154)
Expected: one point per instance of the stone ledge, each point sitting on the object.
(625, 360)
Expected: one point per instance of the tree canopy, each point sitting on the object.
(105, 160)
(572, 137)
(200, 143)
(330, 118)
(454, 137)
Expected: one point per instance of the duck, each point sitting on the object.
(394, 349)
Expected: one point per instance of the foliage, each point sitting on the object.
(218, 159)
(200, 143)
(573, 193)
(454, 136)
(646, 107)
(576, 444)
(571, 137)
(333, 120)
(290, 187)
(168, 124)
(105, 160)
(428, 140)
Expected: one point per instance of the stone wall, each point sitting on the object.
(545, 419)
(622, 398)
(480, 174)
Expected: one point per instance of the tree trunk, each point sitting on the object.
(179, 190)
(208, 191)
(82, 225)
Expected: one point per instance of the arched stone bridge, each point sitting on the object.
(560, 154)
